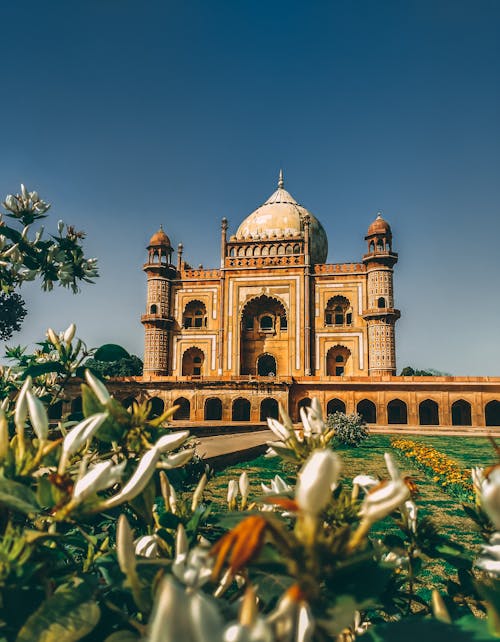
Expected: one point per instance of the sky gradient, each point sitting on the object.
(126, 114)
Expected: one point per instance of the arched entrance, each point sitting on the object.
(157, 406)
(428, 413)
(492, 413)
(264, 330)
(192, 362)
(213, 409)
(367, 410)
(267, 366)
(397, 412)
(336, 361)
(241, 410)
(335, 405)
(461, 413)
(184, 410)
(269, 408)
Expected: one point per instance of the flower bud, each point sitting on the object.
(97, 387)
(21, 410)
(53, 338)
(125, 546)
(232, 492)
(244, 484)
(198, 493)
(38, 416)
(4, 435)
(69, 334)
(316, 481)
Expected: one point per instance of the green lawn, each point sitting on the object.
(446, 511)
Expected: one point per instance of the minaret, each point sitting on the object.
(157, 320)
(380, 315)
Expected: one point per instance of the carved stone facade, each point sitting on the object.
(275, 322)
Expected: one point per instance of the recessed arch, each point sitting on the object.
(461, 414)
(157, 406)
(337, 310)
(195, 315)
(269, 407)
(267, 366)
(492, 413)
(184, 410)
(381, 302)
(397, 412)
(193, 360)
(240, 410)
(428, 413)
(335, 405)
(76, 405)
(213, 409)
(337, 359)
(367, 410)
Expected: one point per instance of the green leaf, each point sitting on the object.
(17, 497)
(169, 520)
(68, 615)
(110, 352)
(38, 369)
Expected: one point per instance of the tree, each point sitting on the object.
(12, 313)
(130, 366)
(408, 371)
(59, 259)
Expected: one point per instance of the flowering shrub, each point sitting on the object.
(442, 469)
(107, 547)
(349, 430)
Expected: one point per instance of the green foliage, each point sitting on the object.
(12, 313)
(130, 366)
(408, 371)
(349, 430)
(110, 352)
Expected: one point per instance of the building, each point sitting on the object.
(275, 322)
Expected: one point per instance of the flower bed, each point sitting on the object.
(439, 467)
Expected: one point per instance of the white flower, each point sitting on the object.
(250, 627)
(81, 433)
(490, 496)
(277, 487)
(365, 482)
(198, 493)
(144, 471)
(137, 483)
(38, 416)
(147, 546)
(21, 410)
(125, 546)
(489, 559)
(411, 510)
(101, 476)
(316, 480)
(179, 615)
(278, 429)
(171, 441)
(193, 568)
(4, 434)
(232, 491)
(53, 338)
(97, 387)
(398, 561)
(244, 485)
(385, 498)
(292, 619)
(312, 419)
(69, 334)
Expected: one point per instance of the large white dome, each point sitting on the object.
(283, 217)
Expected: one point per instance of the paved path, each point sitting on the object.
(219, 450)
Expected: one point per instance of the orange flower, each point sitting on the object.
(239, 545)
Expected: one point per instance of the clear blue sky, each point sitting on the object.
(127, 114)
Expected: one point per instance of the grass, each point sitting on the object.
(446, 511)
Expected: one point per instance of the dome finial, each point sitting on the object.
(281, 182)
